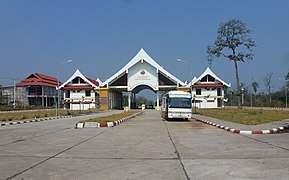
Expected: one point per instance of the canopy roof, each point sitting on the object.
(37, 79)
(196, 82)
(142, 56)
(91, 83)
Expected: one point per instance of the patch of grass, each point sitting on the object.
(111, 118)
(245, 116)
(12, 116)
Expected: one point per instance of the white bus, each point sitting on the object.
(176, 104)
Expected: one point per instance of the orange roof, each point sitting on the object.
(85, 87)
(204, 85)
(93, 81)
(38, 79)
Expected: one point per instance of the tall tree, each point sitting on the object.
(255, 86)
(287, 79)
(233, 38)
(268, 84)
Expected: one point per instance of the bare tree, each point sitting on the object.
(268, 84)
(255, 86)
(287, 79)
(232, 36)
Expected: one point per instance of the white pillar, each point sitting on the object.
(129, 99)
(158, 102)
(42, 96)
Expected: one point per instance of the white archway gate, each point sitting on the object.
(142, 70)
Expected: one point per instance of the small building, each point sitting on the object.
(208, 90)
(37, 90)
(13, 96)
(79, 92)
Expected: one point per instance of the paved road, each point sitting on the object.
(143, 148)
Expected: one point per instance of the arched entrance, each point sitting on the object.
(141, 73)
(138, 98)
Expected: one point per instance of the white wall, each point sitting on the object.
(211, 101)
(79, 95)
(135, 78)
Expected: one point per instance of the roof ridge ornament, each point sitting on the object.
(142, 72)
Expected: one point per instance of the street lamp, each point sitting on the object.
(242, 91)
(191, 78)
(286, 92)
(191, 67)
(58, 94)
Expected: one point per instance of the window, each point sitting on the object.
(198, 91)
(67, 94)
(211, 79)
(82, 81)
(87, 93)
(97, 100)
(208, 78)
(219, 92)
(204, 79)
(180, 102)
(78, 80)
(75, 81)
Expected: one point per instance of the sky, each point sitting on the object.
(102, 36)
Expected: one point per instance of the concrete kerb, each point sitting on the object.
(37, 120)
(107, 124)
(237, 131)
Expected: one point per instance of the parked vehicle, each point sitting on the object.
(176, 104)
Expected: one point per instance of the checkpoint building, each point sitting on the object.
(141, 72)
(79, 92)
(208, 90)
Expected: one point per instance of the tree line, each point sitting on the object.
(252, 96)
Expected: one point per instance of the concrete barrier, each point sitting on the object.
(91, 124)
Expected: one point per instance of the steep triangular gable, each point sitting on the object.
(141, 56)
(78, 74)
(209, 72)
(121, 81)
(32, 76)
(164, 80)
(99, 82)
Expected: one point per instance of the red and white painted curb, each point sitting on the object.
(107, 124)
(269, 131)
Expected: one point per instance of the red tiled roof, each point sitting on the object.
(209, 85)
(86, 87)
(43, 76)
(38, 79)
(93, 81)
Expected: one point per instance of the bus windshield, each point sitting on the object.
(180, 102)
